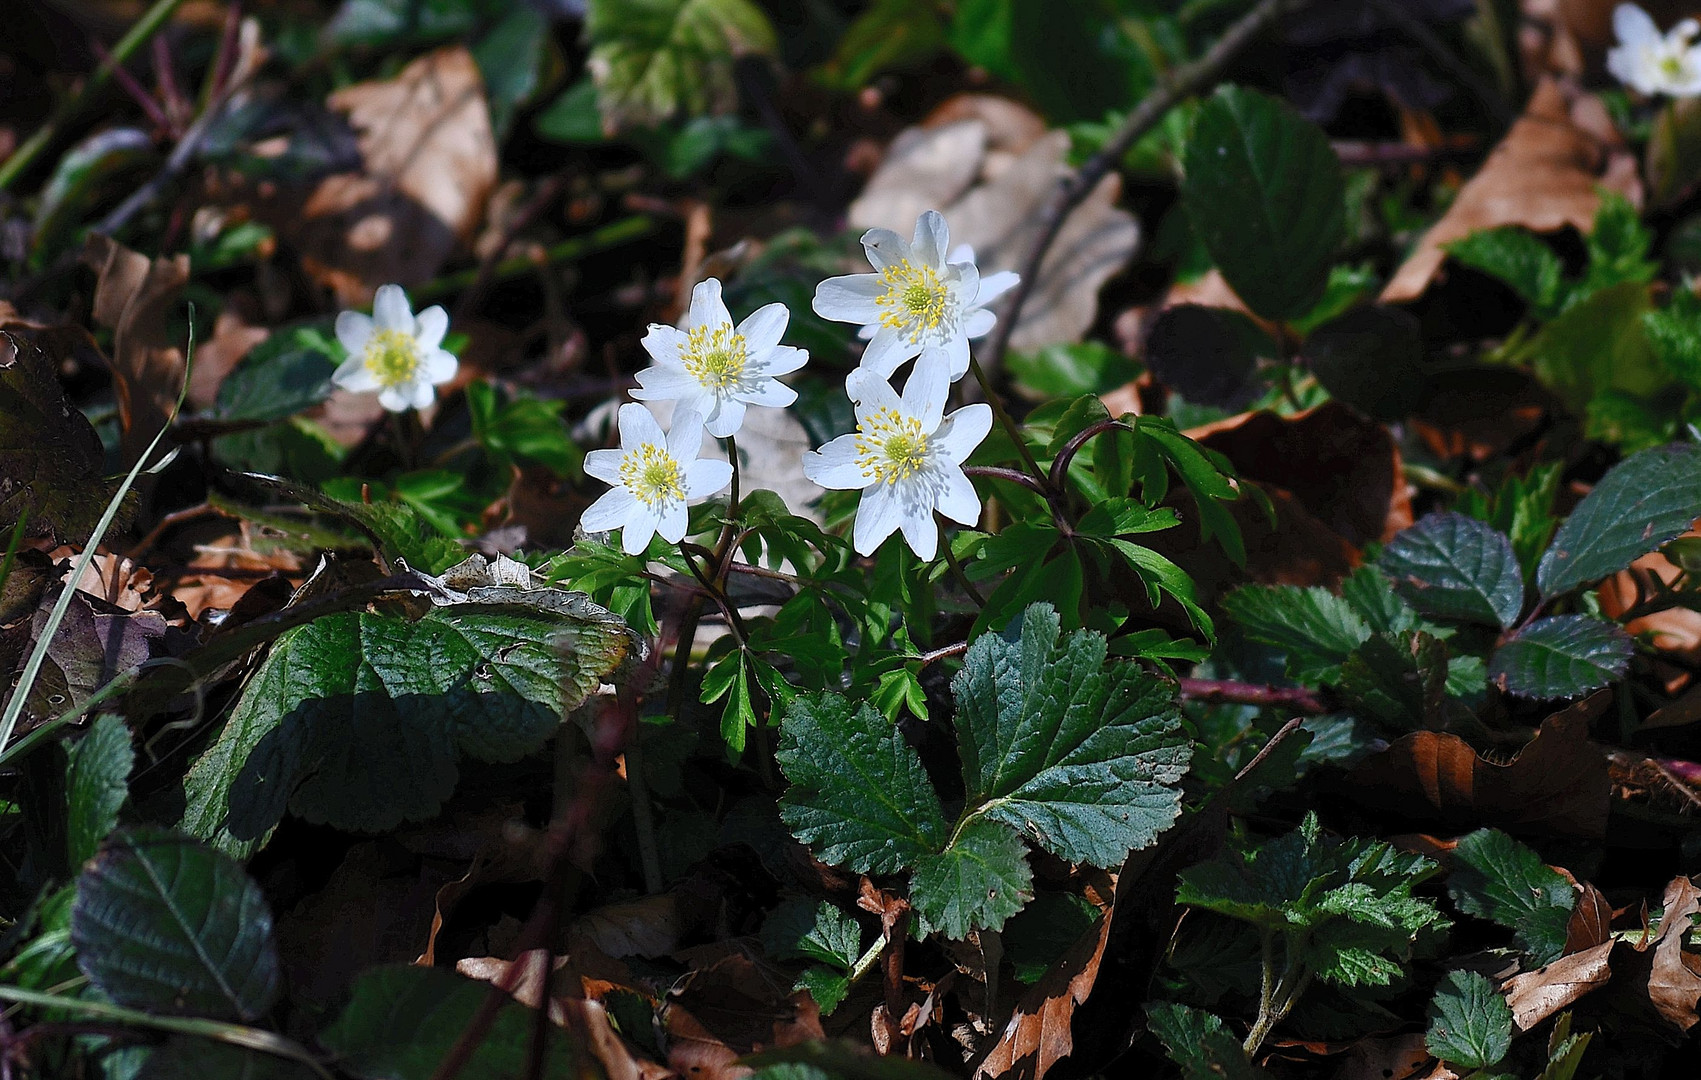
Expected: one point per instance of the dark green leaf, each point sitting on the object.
(167, 924)
(1043, 931)
(1641, 503)
(285, 374)
(1455, 567)
(1470, 1024)
(184, 1057)
(96, 784)
(1400, 682)
(827, 986)
(801, 929)
(654, 58)
(1264, 190)
(977, 882)
(1200, 1043)
(1079, 756)
(1372, 358)
(1315, 628)
(1209, 355)
(833, 1060)
(1032, 45)
(89, 175)
(1064, 370)
(52, 467)
(1565, 656)
(401, 1022)
(1501, 880)
(858, 794)
(1521, 260)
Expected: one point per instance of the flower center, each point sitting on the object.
(716, 358)
(1673, 66)
(392, 356)
(918, 299)
(653, 475)
(890, 446)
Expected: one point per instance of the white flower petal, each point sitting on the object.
(925, 393)
(353, 375)
(604, 465)
(390, 309)
(979, 324)
(395, 399)
(962, 431)
(640, 526)
(439, 367)
(956, 498)
(707, 307)
(953, 355)
(725, 418)
(664, 343)
(609, 512)
(429, 326)
(1634, 26)
(673, 520)
(992, 286)
(962, 253)
(885, 248)
(784, 360)
(666, 382)
(921, 534)
(834, 465)
(870, 392)
(685, 440)
(866, 333)
(637, 427)
(707, 476)
(849, 298)
(422, 394)
(764, 328)
(769, 392)
(877, 517)
(889, 349)
(963, 280)
(354, 330)
(932, 238)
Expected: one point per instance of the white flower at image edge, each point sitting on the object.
(393, 352)
(1653, 63)
(917, 301)
(711, 367)
(906, 456)
(654, 475)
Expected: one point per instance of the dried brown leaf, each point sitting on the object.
(1039, 1034)
(1537, 995)
(136, 298)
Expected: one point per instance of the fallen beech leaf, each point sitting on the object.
(730, 1009)
(649, 926)
(1397, 1057)
(112, 578)
(1038, 1034)
(1543, 176)
(1557, 783)
(233, 336)
(1677, 629)
(429, 166)
(990, 178)
(1591, 919)
(136, 297)
(1674, 984)
(1537, 995)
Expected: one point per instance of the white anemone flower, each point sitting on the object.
(907, 458)
(711, 367)
(394, 352)
(653, 476)
(1653, 63)
(919, 300)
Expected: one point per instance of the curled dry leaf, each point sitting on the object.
(1537, 995)
(1543, 176)
(1675, 630)
(428, 168)
(1671, 975)
(990, 176)
(1557, 784)
(1039, 1033)
(136, 298)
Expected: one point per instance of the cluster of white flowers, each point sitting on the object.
(906, 456)
(1652, 63)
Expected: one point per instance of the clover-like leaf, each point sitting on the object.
(1642, 502)
(859, 795)
(1501, 880)
(1455, 567)
(167, 924)
(1470, 1024)
(1081, 757)
(1565, 656)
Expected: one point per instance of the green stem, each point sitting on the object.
(234, 1034)
(1010, 425)
(610, 235)
(957, 568)
(138, 36)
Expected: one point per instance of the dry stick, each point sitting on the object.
(1228, 692)
(1182, 83)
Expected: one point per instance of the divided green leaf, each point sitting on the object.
(1200, 1043)
(1470, 1024)
(1454, 567)
(1644, 501)
(1499, 879)
(1564, 656)
(1400, 682)
(167, 924)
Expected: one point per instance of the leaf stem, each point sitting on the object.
(1230, 692)
(957, 567)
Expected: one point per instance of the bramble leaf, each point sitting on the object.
(981, 879)
(1315, 628)
(1501, 880)
(1470, 1024)
(1642, 502)
(1200, 1043)
(1454, 567)
(1565, 656)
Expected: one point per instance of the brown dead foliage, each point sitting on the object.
(730, 1009)
(1040, 1032)
(1557, 784)
(136, 298)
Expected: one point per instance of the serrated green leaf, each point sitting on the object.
(1372, 595)
(826, 986)
(1400, 681)
(1264, 191)
(1518, 258)
(1470, 1024)
(801, 929)
(859, 795)
(167, 924)
(1675, 334)
(1079, 757)
(401, 1021)
(1315, 628)
(1499, 879)
(652, 59)
(288, 372)
(1640, 504)
(1454, 567)
(97, 780)
(1564, 656)
(355, 719)
(1597, 345)
(1564, 1050)
(1200, 1043)
(980, 880)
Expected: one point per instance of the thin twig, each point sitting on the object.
(1229, 692)
(1180, 84)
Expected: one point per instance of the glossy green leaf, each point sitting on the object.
(1565, 656)
(97, 781)
(1454, 567)
(285, 374)
(1400, 682)
(1501, 880)
(164, 923)
(1265, 193)
(184, 1057)
(1470, 1024)
(1642, 502)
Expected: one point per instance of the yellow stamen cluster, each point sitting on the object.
(890, 446)
(392, 356)
(1674, 66)
(653, 475)
(918, 299)
(715, 357)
